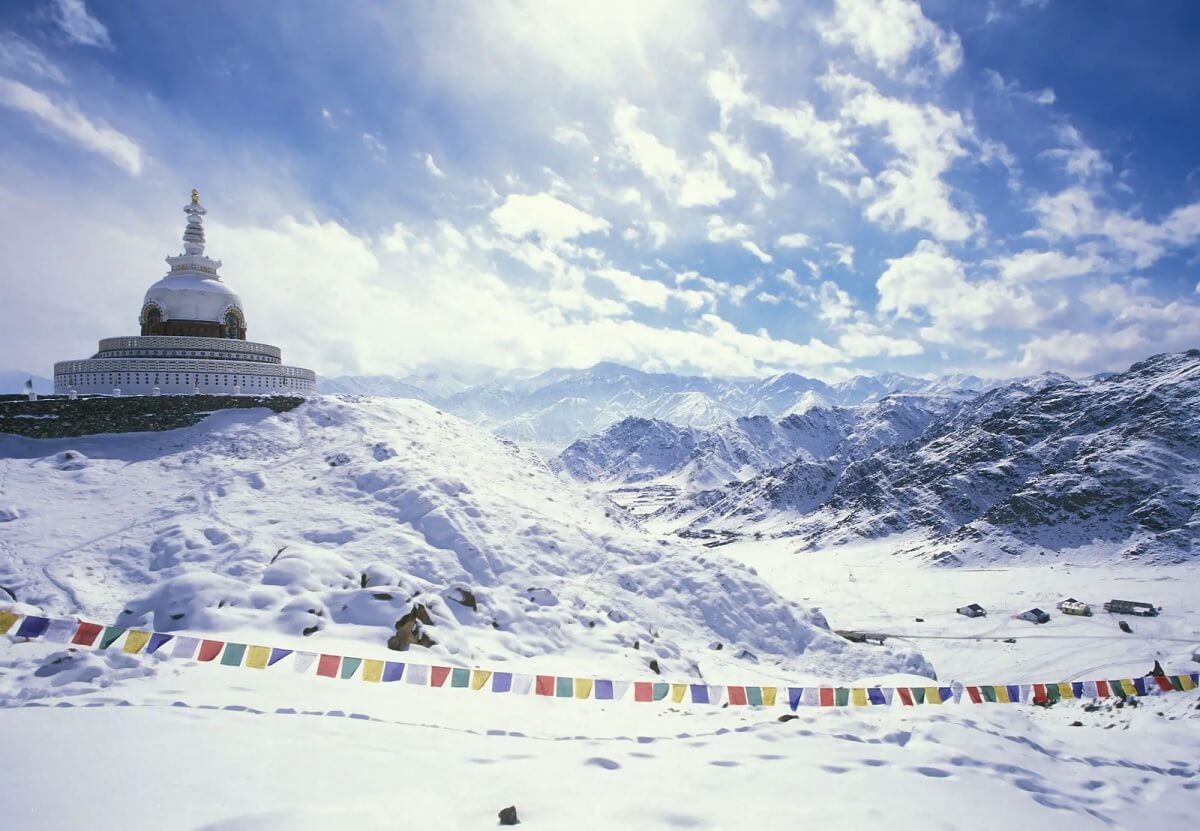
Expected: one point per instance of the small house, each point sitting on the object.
(1071, 606)
(973, 610)
(1034, 616)
(1131, 607)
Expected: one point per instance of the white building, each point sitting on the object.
(193, 339)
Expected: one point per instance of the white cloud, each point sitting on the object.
(823, 140)
(1073, 214)
(719, 229)
(327, 116)
(692, 185)
(568, 134)
(843, 254)
(635, 289)
(794, 240)
(753, 248)
(1078, 158)
(375, 146)
(21, 57)
(865, 340)
(64, 120)
(546, 216)
(928, 284)
(910, 192)
(78, 24)
(1041, 266)
(756, 167)
(1008, 89)
(431, 166)
(766, 9)
(888, 33)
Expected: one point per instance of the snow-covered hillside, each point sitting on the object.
(1044, 465)
(554, 408)
(334, 521)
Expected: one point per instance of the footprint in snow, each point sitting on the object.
(933, 773)
(601, 762)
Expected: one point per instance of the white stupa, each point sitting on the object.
(193, 339)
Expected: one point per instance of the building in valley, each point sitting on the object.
(193, 339)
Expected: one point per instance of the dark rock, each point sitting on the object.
(786, 717)
(508, 816)
(410, 629)
(1079, 723)
(59, 417)
(1125, 627)
(654, 666)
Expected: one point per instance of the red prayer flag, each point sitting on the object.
(328, 665)
(545, 685)
(1164, 683)
(976, 695)
(905, 696)
(643, 691)
(87, 633)
(438, 675)
(210, 650)
(1102, 689)
(1039, 692)
(737, 695)
(826, 696)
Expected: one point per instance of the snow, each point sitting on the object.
(328, 524)
(242, 524)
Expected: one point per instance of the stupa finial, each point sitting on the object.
(193, 235)
(195, 197)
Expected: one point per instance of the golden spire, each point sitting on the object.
(195, 197)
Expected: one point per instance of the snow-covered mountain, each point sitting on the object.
(1042, 465)
(331, 523)
(554, 408)
(638, 450)
(12, 382)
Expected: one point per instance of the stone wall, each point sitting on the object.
(55, 417)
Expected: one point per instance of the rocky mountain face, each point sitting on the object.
(556, 407)
(639, 450)
(1043, 465)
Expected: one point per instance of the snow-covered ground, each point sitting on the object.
(416, 504)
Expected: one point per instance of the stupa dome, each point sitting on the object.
(192, 297)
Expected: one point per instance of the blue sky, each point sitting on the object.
(831, 187)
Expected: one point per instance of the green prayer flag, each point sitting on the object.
(841, 696)
(460, 677)
(232, 656)
(349, 665)
(754, 696)
(918, 694)
(111, 633)
(564, 687)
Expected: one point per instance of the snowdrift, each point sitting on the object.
(330, 523)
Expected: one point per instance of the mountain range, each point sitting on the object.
(554, 408)
(1042, 465)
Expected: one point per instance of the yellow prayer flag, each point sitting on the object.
(136, 640)
(1130, 689)
(1065, 690)
(932, 696)
(1185, 681)
(372, 670)
(858, 697)
(583, 687)
(256, 656)
(479, 677)
(769, 696)
(677, 692)
(1002, 695)
(7, 619)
